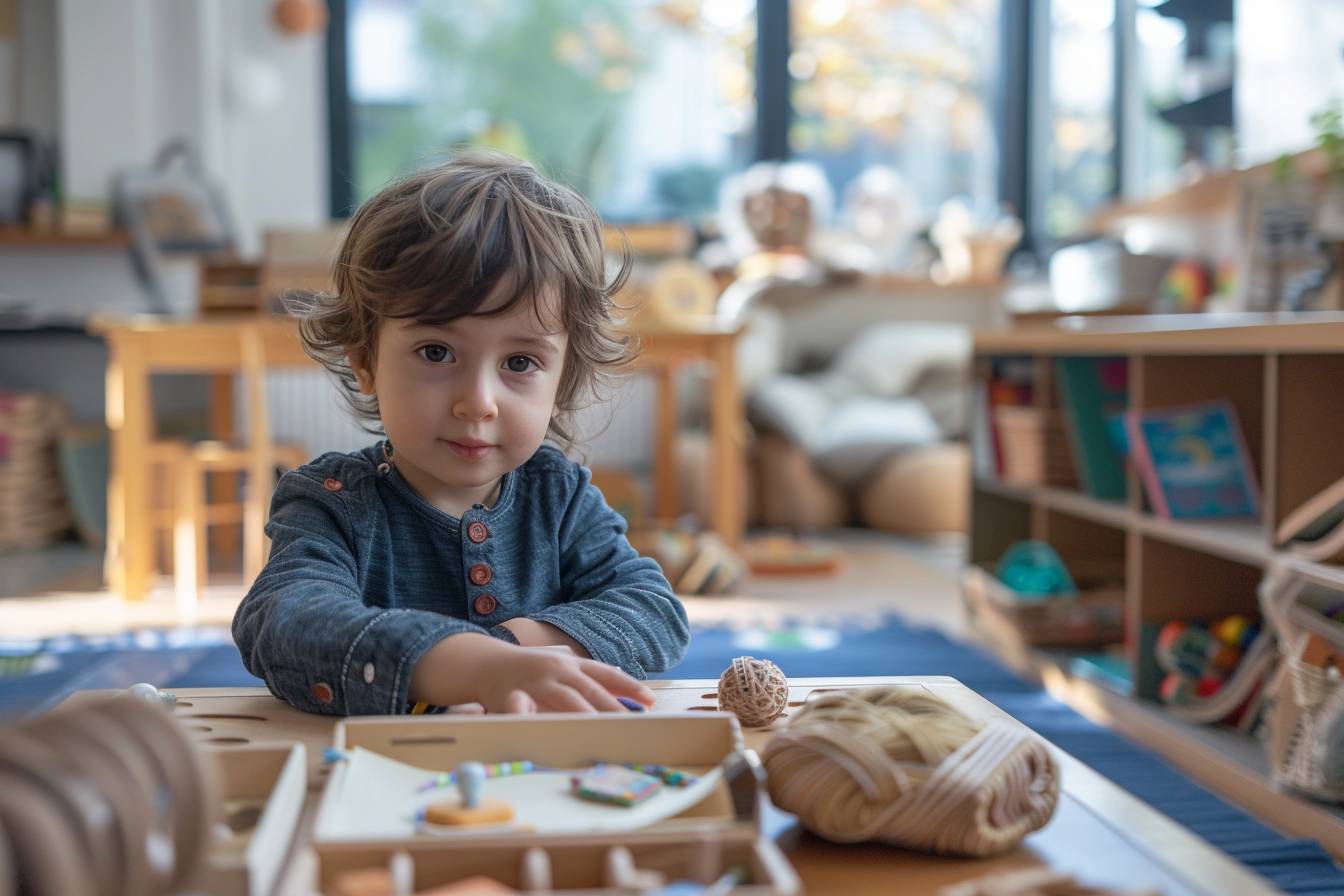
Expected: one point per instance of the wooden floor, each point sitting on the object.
(59, 591)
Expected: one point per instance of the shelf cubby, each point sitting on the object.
(1309, 417)
(1165, 381)
(1282, 376)
(1180, 583)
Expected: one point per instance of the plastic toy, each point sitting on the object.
(1035, 571)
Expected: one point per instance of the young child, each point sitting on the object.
(472, 313)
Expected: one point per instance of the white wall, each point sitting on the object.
(36, 68)
(1290, 63)
(134, 74)
(272, 149)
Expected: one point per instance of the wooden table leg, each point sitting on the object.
(223, 487)
(130, 542)
(727, 513)
(665, 446)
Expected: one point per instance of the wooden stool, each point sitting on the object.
(186, 466)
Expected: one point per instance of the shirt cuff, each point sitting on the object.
(376, 673)
(504, 633)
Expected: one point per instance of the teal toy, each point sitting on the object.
(1034, 571)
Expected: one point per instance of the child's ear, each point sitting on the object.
(359, 367)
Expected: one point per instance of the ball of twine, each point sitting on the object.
(900, 766)
(755, 691)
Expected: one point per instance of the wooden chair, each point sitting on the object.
(185, 467)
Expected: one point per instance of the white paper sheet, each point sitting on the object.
(372, 797)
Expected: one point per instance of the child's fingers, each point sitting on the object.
(560, 697)
(519, 703)
(617, 682)
(466, 709)
(595, 694)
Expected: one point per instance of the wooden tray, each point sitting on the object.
(1100, 833)
(701, 843)
(263, 791)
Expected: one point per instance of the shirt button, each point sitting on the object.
(368, 673)
(485, 605)
(481, 574)
(477, 532)
(322, 692)
(333, 485)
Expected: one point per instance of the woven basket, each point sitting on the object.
(1308, 700)
(33, 509)
(1095, 617)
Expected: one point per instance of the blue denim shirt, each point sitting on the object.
(364, 576)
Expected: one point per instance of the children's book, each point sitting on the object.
(1009, 384)
(1193, 461)
(1094, 395)
(1315, 530)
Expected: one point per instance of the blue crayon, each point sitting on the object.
(632, 705)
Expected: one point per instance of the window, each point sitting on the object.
(1183, 72)
(899, 84)
(647, 105)
(1080, 115)
(644, 107)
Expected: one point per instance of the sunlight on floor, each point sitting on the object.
(60, 592)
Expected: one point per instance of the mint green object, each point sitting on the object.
(1033, 570)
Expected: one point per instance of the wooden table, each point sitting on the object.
(140, 348)
(1099, 833)
(664, 350)
(137, 350)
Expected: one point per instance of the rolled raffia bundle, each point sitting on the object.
(109, 796)
(900, 766)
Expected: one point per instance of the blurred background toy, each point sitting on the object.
(1033, 570)
(1199, 658)
(969, 250)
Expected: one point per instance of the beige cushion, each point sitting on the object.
(923, 491)
(791, 493)
(862, 432)
(886, 361)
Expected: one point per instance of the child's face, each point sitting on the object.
(465, 402)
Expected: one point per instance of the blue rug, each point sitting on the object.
(206, 658)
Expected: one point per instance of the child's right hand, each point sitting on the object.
(506, 678)
(538, 679)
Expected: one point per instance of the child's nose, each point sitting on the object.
(476, 401)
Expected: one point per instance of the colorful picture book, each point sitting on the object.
(1315, 530)
(1094, 395)
(1193, 461)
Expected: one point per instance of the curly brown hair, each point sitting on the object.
(437, 244)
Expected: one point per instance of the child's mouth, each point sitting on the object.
(470, 452)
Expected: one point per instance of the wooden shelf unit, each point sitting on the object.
(1283, 375)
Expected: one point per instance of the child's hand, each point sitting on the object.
(540, 679)
(507, 678)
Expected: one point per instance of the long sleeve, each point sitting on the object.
(615, 603)
(304, 627)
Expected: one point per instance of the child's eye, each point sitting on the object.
(435, 353)
(519, 364)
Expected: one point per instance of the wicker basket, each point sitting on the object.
(1308, 699)
(1095, 617)
(33, 509)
